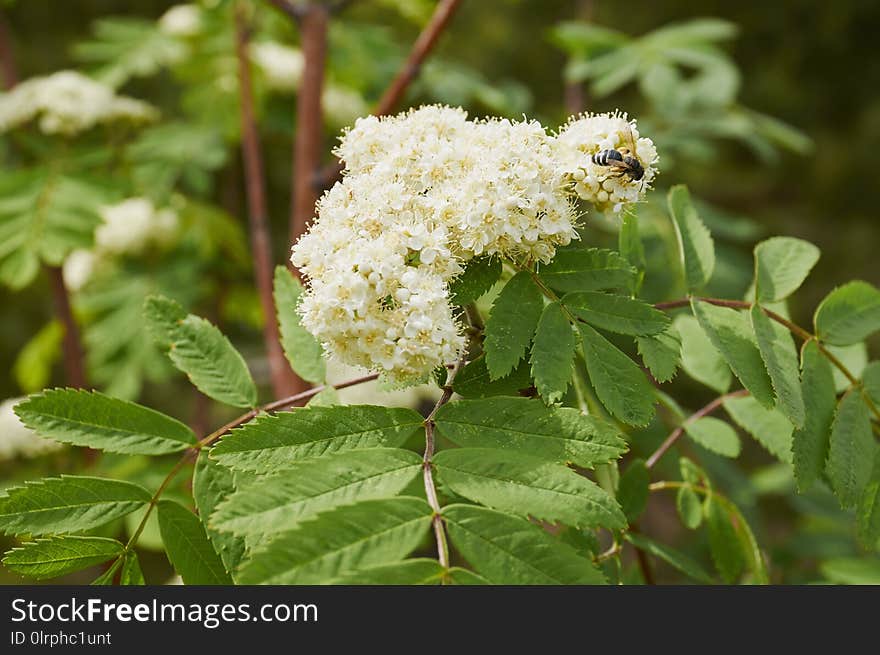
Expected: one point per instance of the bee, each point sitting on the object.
(624, 160)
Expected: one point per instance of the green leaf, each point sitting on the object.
(478, 277)
(591, 269)
(67, 504)
(871, 381)
(281, 501)
(526, 425)
(302, 350)
(188, 548)
(781, 266)
(512, 322)
(619, 382)
(694, 241)
(852, 571)
(273, 442)
(724, 543)
(868, 512)
(769, 427)
(632, 491)
(674, 558)
(730, 332)
(715, 435)
(419, 571)
(854, 358)
(342, 540)
(848, 314)
(459, 576)
(473, 381)
(778, 351)
(699, 358)
(553, 353)
(506, 549)
(810, 443)
(689, 507)
(131, 574)
(91, 419)
(851, 450)
(212, 483)
(661, 353)
(201, 351)
(630, 244)
(33, 365)
(526, 485)
(619, 314)
(56, 556)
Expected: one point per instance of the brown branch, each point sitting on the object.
(575, 96)
(284, 381)
(292, 9)
(309, 119)
(422, 47)
(74, 367)
(8, 69)
(700, 413)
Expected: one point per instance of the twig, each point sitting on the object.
(422, 47)
(284, 381)
(575, 97)
(74, 367)
(309, 119)
(8, 69)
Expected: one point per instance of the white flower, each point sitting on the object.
(18, 441)
(423, 193)
(586, 135)
(78, 268)
(132, 225)
(342, 105)
(67, 103)
(282, 65)
(182, 20)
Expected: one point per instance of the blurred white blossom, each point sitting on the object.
(182, 20)
(282, 65)
(68, 103)
(78, 268)
(16, 440)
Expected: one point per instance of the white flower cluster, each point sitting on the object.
(182, 20)
(423, 193)
(18, 441)
(584, 136)
(68, 103)
(128, 228)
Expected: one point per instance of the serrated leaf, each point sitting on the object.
(632, 491)
(810, 443)
(661, 353)
(779, 353)
(273, 442)
(619, 314)
(590, 269)
(630, 244)
(67, 504)
(695, 244)
(553, 353)
(852, 570)
(525, 425)
(56, 556)
(674, 558)
(201, 351)
(769, 427)
(507, 549)
(851, 450)
(477, 278)
(93, 420)
(460, 576)
(699, 358)
(723, 542)
(715, 435)
(854, 358)
(420, 571)
(281, 501)
(512, 322)
(868, 511)
(346, 539)
(131, 574)
(689, 507)
(871, 381)
(526, 485)
(188, 547)
(849, 314)
(302, 350)
(619, 383)
(473, 381)
(731, 333)
(212, 483)
(781, 266)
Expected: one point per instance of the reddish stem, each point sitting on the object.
(74, 367)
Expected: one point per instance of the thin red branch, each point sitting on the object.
(309, 119)
(71, 345)
(575, 96)
(390, 100)
(284, 381)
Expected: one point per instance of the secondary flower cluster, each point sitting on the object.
(425, 192)
(67, 103)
